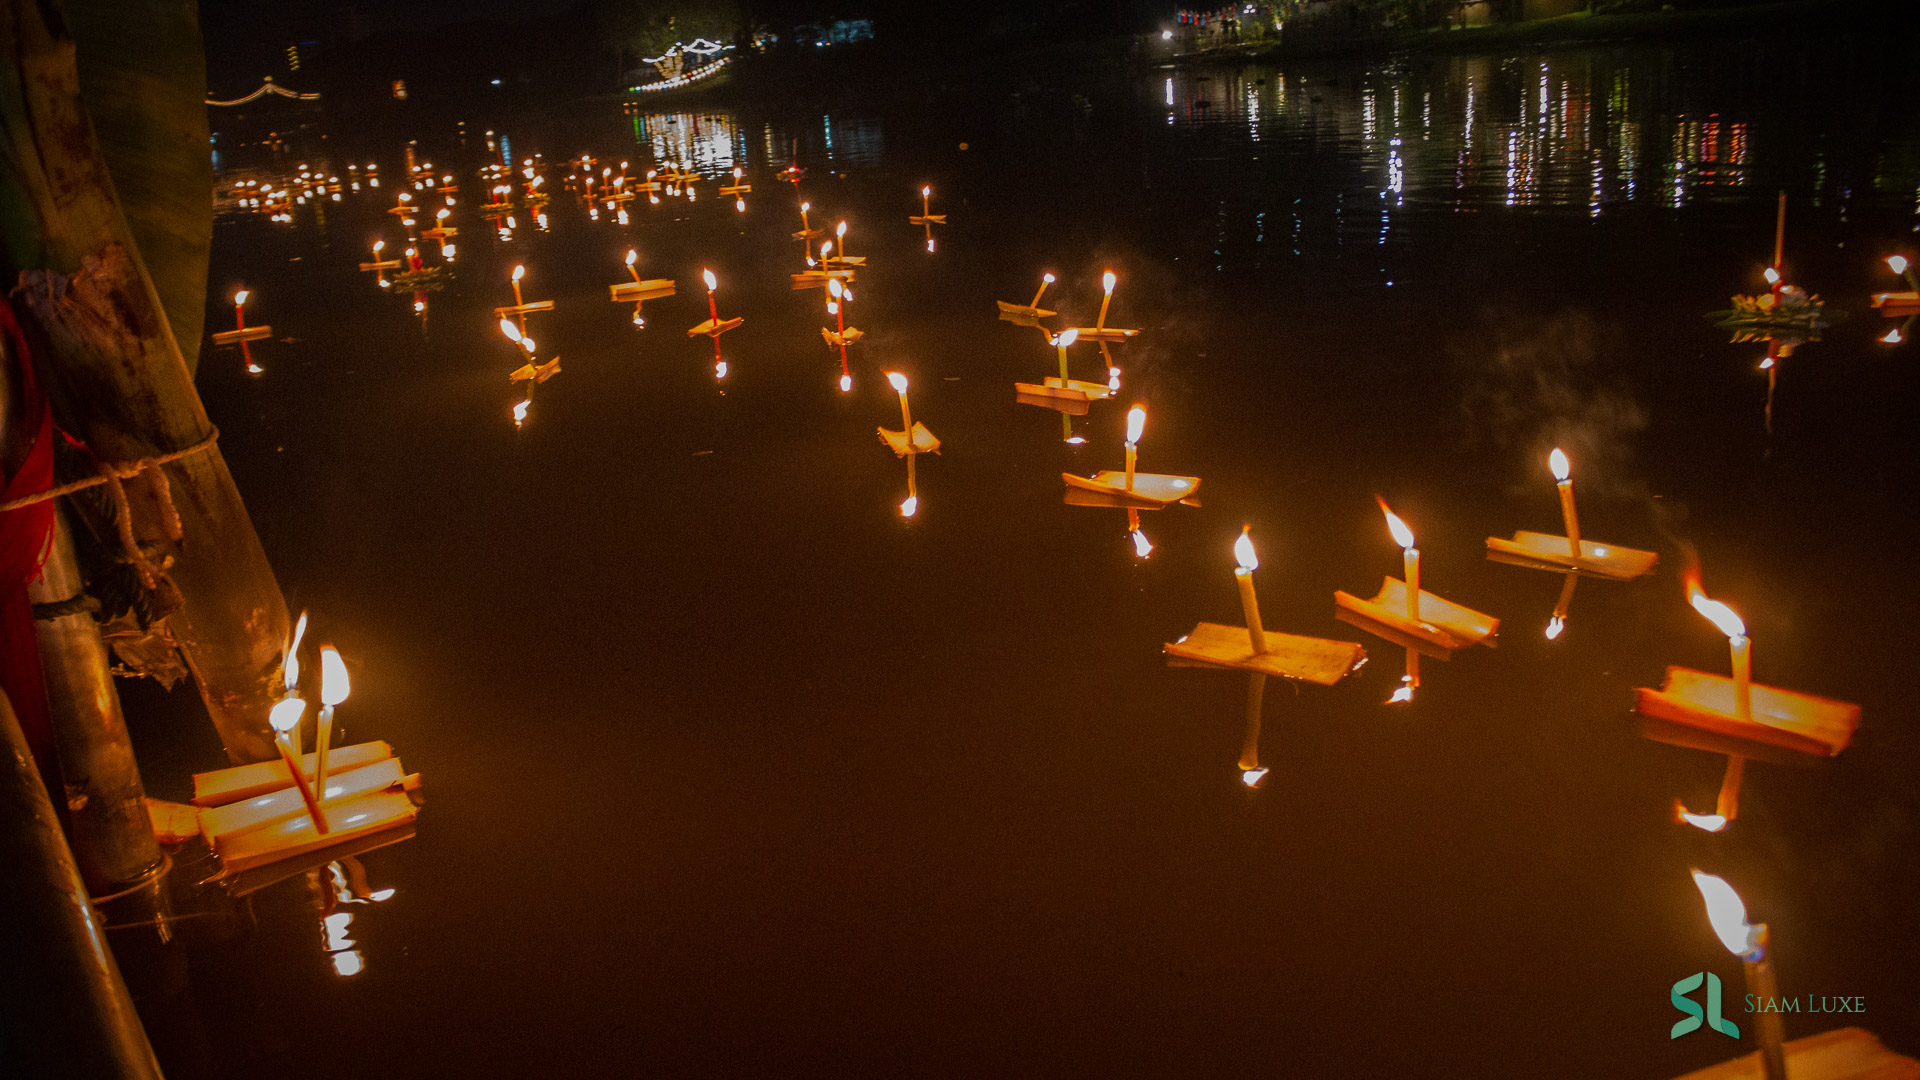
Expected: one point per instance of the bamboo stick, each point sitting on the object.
(117, 377)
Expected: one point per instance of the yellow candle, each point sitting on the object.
(899, 382)
(1065, 339)
(1563, 475)
(334, 686)
(518, 273)
(1412, 560)
(1243, 576)
(1045, 280)
(1404, 537)
(284, 718)
(1106, 281)
(1136, 423)
(1742, 649)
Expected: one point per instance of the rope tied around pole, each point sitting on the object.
(111, 473)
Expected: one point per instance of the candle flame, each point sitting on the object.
(1772, 276)
(846, 383)
(240, 297)
(632, 256)
(1066, 338)
(1554, 626)
(1404, 694)
(1716, 612)
(334, 684)
(286, 714)
(825, 246)
(443, 214)
(519, 272)
(1243, 550)
(1252, 777)
(1048, 278)
(720, 370)
(379, 246)
(804, 207)
(898, 380)
(1898, 263)
(910, 507)
(840, 230)
(1892, 337)
(925, 192)
(290, 669)
(1142, 547)
(712, 282)
(508, 328)
(1766, 364)
(520, 413)
(1557, 461)
(1401, 534)
(1136, 423)
(1727, 912)
(834, 287)
(1107, 282)
(1703, 822)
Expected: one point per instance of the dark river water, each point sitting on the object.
(730, 769)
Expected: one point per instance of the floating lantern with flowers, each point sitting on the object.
(1785, 317)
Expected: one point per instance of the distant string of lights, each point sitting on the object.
(268, 87)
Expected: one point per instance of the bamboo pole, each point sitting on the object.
(64, 1010)
(106, 803)
(116, 375)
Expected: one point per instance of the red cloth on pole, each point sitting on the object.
(24, 535)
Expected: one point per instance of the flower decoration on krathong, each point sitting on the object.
(1792, 317)
(427, 279)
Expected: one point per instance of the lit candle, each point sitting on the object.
(1107, 282)
(633, 257)
(1136, 423)
(1064, 339)
(334, 686)
(240, 309)
(911, 506)
(1738, 644)
(1727, 806)
(899, 382)
(1045, 280)
(1728, 915)
(1404, 537)
(712, 309)
(1563, 475)
(840, 234)
(1558, 622)
(1243, 576)
(518, 273)
(925, 194)
(285, 717)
